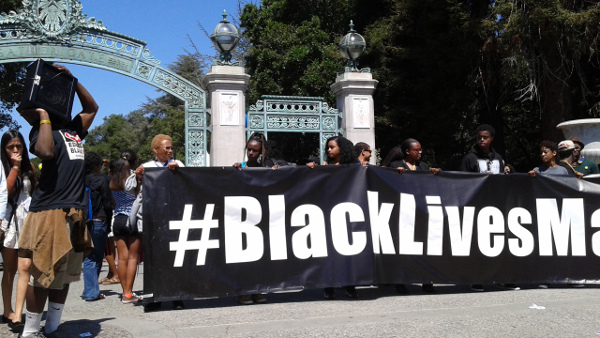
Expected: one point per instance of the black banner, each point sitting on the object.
(222, 231)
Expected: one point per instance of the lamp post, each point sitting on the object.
(225, 37)
(352, 46)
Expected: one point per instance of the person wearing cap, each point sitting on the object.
(566, 150)
(581, 164)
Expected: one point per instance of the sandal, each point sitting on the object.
(100, 296)
(111, 281)
(103, 280)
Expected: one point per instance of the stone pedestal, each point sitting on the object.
(354, 97)
(588, 131)
(226, 86)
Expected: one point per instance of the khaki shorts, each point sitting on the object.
(68, 271)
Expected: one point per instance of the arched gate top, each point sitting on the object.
(57, 30)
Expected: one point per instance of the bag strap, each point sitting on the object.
(12, 215)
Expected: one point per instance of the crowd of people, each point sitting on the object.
(75, 213)
(68, 222)
(564, 158)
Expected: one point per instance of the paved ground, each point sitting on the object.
(455, 311)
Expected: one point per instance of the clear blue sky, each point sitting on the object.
(164, 26)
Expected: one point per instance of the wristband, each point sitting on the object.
(45, 122)
(15, 167)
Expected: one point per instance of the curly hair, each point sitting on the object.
(550, 145)
(158, 140)
(346, 150)
(92, 160)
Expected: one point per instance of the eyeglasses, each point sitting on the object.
(368, 150)
(167, 148)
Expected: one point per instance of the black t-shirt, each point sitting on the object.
(61, 184)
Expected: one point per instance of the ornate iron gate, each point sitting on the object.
(294, 114)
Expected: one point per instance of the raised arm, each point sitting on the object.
(88, 104)
(44, 147)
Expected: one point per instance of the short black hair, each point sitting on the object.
(486, 127)
(549, 144)
(92, 160)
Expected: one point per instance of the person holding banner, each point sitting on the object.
(54, 234)
(483, 158)
(549, 156)
(363, 152)
(162, 147)
(581, 164)
(256, 152)
(566, 151)
(340, 150)
(412, 152)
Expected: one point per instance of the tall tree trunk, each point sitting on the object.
(555, 94)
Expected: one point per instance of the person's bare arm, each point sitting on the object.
(44, 147)
(88, 104)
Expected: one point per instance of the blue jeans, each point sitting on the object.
(92, 264)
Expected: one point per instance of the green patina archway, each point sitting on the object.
(56, 30)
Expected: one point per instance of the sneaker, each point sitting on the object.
(38, 334)
(245, 300)
(428, 288)
(258, 298)
(477, 287)
(329, 294)
(351, 292)
(543, 286)
(509, 286)
(401, 289)
(131, 299)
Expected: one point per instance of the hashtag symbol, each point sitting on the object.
(184, 226)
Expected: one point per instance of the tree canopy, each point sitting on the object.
(443, 66)
(11, 88)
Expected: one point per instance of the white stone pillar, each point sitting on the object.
(354, 97)
(226, 87)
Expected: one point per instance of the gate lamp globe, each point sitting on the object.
(225, 37)
(352, 46)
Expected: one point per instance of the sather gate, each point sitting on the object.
(56, 30)
(295, 114)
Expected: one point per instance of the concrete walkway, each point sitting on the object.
(455, 311)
